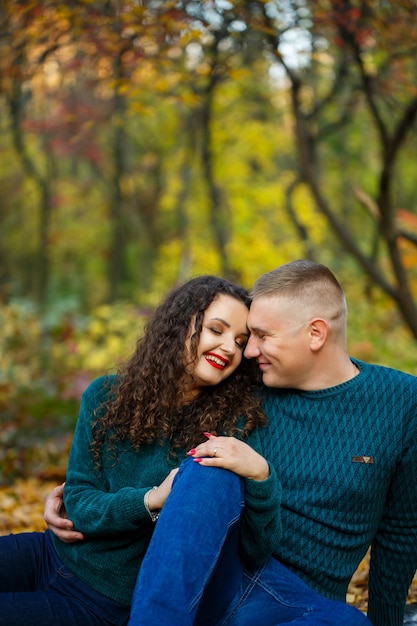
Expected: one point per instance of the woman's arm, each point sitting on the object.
(106, 500)
(57, 520)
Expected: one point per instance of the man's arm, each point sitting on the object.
(56, 518)
(394, 548)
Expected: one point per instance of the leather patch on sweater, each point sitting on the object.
(363, 459)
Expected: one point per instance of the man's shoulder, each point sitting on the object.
(385, 372)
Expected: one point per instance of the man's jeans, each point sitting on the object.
(192, 572)
(37, 588)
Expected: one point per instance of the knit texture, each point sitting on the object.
(108, 507)
(347, 461)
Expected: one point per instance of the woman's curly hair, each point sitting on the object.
(147, 402)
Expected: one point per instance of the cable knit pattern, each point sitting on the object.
(347, 461)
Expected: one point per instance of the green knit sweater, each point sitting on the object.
(347, 461)
(108, 507)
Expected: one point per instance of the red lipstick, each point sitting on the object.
(216, 361)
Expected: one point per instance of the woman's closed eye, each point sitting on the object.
(216, 331)
(241, 342)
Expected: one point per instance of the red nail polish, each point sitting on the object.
(208, 435)
(191, 452)
(197, 460)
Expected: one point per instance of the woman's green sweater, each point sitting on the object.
(108, 507)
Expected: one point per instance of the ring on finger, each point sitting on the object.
(214, 452)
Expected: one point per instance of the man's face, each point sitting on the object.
(279, 341)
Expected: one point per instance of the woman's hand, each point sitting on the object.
(157, 497)
(232, 454)
(55, 516)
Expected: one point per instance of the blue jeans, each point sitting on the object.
(37, 588)
(192, 573)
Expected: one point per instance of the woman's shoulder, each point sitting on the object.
(100, 387)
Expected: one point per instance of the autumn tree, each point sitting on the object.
(351, 71)
(16, 72)
(70, 78)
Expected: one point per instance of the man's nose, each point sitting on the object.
(251, 349)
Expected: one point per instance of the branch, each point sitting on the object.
(402, 128)
(367, 80)
(401, 234)
(366, 201)
(341, 74)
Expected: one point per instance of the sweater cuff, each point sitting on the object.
(382, 614)
(266, 491)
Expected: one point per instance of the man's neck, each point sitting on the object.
(330, 372)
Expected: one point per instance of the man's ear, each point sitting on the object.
(319, 330)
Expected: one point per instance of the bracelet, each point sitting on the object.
(154, 515)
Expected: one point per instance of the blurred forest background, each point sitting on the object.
(147, 141)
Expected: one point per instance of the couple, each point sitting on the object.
(258, 514)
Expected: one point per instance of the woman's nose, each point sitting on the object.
(229, 345)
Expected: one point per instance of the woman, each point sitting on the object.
(185, 377)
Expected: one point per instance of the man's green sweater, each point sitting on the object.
(108, 507)
(346, 458)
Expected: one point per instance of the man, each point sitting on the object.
(342, 439)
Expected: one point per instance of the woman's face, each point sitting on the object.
(222, 341)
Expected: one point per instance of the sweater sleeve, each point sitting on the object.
(261, 521)
(394, 549)
(90, 505)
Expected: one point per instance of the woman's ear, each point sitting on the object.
(319, 330)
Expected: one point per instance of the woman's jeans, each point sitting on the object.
(37, 588)
(192, 572)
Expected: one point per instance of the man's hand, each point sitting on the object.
(55, 516)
